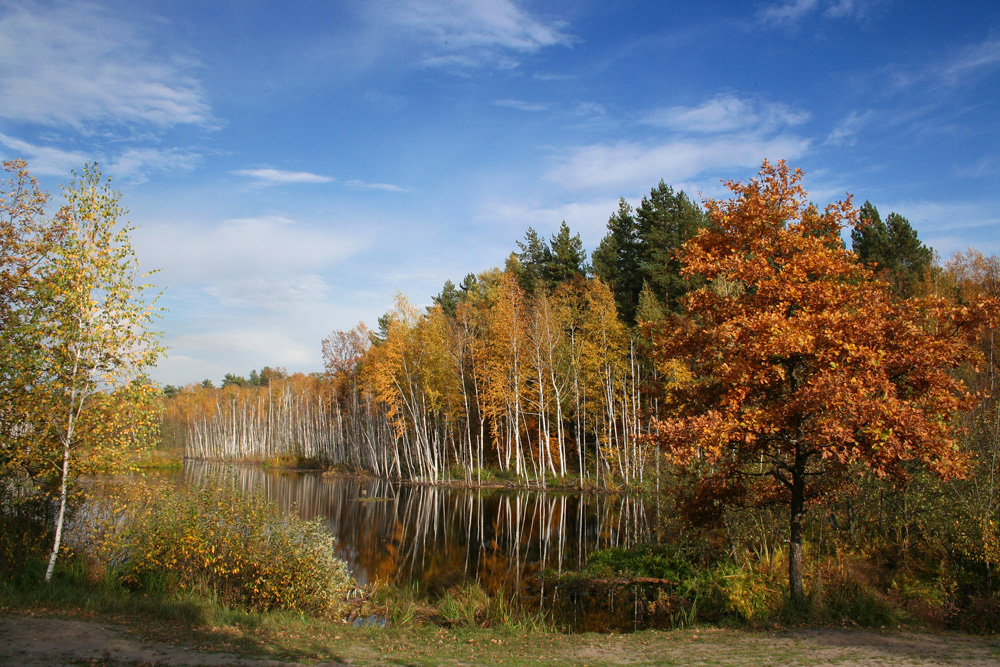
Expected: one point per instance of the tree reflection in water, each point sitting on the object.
(441, 537)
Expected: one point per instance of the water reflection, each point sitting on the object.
(440, 537)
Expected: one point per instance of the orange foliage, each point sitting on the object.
(801, 364)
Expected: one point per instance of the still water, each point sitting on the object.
(439, 537)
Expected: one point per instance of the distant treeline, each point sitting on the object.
(537, 371)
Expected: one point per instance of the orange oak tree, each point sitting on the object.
(800, 366)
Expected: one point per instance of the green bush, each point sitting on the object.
(215, 540)
(640, 561)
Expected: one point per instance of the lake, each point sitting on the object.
(438, 537)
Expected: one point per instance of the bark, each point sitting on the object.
(795, 587)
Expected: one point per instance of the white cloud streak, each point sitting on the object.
(521, 105)
(43, 160)
(133, 164)
(74, 64)
(470, 33)
(280, 177)
(727, 113)
(386, 187)
(795, 12)
(630, 167)
(725, 132)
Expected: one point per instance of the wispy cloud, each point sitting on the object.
(727, 113)
(470, 33)
(75, 63)
(267, 176)
(133, 164)
(631, 167)
(43, 160)
(246, 255)
(973, 60)
(521, 105)
(362, 185)
(795, 12)
(270, 293)
(966, 65)
(136, 164)
(845, 133)
(725, 132)
(952, 226)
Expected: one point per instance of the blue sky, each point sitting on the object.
(290, 165)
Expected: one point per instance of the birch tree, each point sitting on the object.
(90, 323)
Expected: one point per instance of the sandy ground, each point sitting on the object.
(36, 642)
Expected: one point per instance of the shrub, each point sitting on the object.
(214, 539)
(26, 521)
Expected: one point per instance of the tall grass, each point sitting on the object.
(217, 542)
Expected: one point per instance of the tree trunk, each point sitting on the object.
(795, 587)
(60, 519)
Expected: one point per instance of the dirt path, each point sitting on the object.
(37, 642)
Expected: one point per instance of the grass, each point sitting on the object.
(295, 637)
(466, 626)
(293, 462)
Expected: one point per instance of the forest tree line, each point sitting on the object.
(539, 371)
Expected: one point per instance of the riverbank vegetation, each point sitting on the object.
(732, 356)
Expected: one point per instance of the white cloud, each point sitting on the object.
(274, 294)
(847, 129)
(797, 11)
(972, 61)
(468, 33)
(44, 160)
(631, 167)
(75, 64)
(521, 105)
(279, 177)
(362, 185)
(250, 249)
(135, 163)
(788, 12)
(940, 217)
(214, 353)
(727, 113)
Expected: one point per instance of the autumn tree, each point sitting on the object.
(83, 343)
(27, 242)
(801, 366)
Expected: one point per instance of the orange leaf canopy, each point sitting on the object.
(800, 362)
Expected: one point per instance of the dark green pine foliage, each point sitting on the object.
(892, 249)
(567, 259)
(616, 261)
(664, 222)
(531, 261)
(542, 265)
(231, 380)
(640, 248)
(448, 299)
